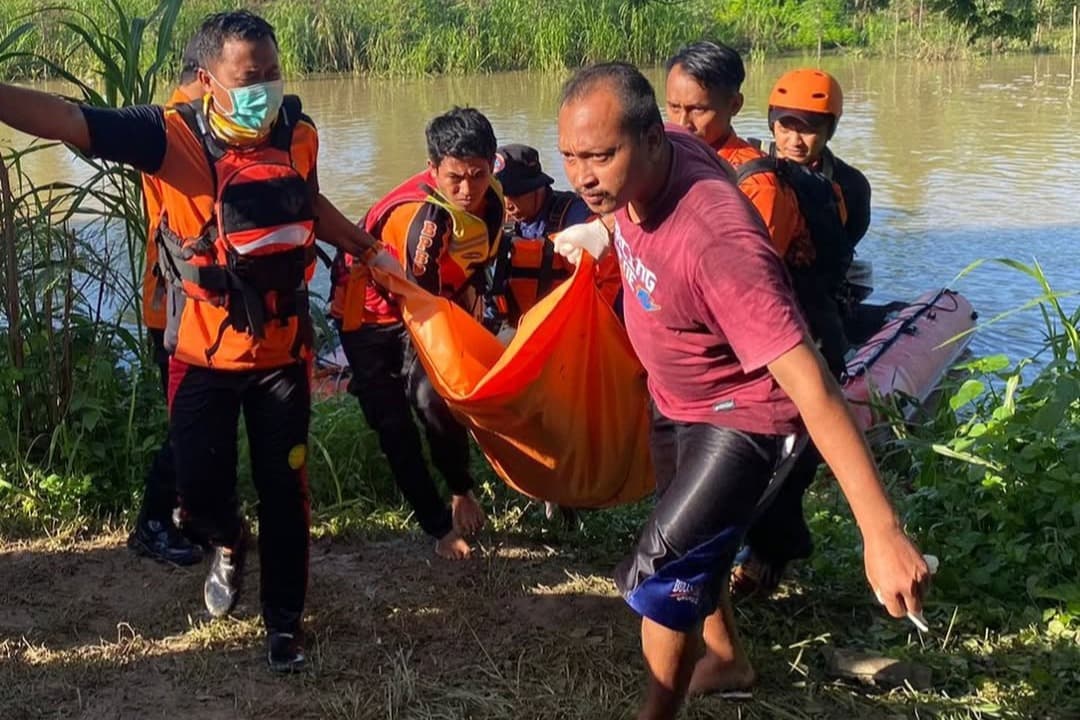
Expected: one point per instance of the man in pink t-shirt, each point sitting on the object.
(711, 314)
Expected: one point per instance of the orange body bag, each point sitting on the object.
(562, 413)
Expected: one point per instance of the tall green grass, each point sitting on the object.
(414, 37)
(78, 407)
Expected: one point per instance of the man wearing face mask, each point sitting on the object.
(240, 210)
(444, 224)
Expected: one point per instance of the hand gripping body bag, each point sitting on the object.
(562, 412)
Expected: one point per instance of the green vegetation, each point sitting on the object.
(410, 37)
(990, 483)
(996, 476)
(78, 412)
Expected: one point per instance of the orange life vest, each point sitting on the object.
(356, 301)
(774, 200)
(526, 269)
(254, 250)
(153, 285)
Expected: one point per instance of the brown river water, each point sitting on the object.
(968, 160)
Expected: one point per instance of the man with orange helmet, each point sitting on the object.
(805, 106)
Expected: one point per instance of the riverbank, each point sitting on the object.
(417, 37)
(532, 626)
(529, 628)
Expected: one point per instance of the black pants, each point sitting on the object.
(204, 415)
(710, 484)
(826, 320)
(780, 534)
(389, 381)
(159, 490)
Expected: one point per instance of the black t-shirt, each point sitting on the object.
(136, 136)
(132, 135)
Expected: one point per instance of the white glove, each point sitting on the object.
(386, 262)
(591, 237)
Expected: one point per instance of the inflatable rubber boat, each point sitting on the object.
(904, 361)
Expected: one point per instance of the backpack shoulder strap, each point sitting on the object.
(194, 117)
(289, 115)
(828, 164)
(766, 146)
(556, 219)
(556, 215)
(755, 167)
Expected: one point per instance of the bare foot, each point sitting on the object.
(467, 513)
(713, 675)
(452, 546)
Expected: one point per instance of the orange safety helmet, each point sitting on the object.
(808, 90)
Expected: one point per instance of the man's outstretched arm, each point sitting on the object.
(331, 226)
(44, 115)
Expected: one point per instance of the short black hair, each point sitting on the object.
(189, 61)
(216, 29)
(714, 65)
(461, 132)
(640, 112)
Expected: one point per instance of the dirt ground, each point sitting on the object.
(87, 630)
(521, 631)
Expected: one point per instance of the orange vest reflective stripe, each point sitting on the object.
(355, 301)
(237, 241)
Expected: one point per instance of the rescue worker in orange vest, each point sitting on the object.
(155, 536)
(240, 209)
(804, 108)
(703, 94)
(528, 267)
(444, 225)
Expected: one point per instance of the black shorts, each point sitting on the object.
(711, 484)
